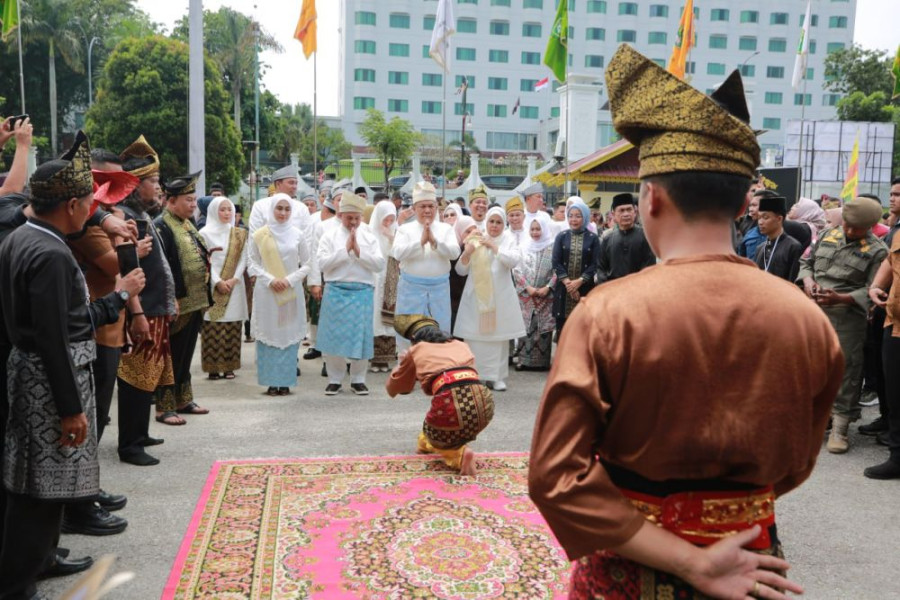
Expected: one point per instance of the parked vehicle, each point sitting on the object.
(502, 182)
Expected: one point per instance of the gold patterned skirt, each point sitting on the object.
(220, 346)
(149, 365)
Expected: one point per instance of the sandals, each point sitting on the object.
(272, 391)
(228, 375)
(214, 377)
(191, 408)
(170, 418)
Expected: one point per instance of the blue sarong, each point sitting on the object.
(344, 329)
(276, 367)
(425, 296)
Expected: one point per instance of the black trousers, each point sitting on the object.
(30, 537)
(135, 406)
(105, 366)
(890, 354)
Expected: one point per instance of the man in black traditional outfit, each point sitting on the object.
(780, 254)
(624, 250)
(50, 453)
(188, 259)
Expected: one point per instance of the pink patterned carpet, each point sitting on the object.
(368, 528)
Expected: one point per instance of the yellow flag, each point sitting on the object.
(851, 185)
(684, 42)
(306, 27)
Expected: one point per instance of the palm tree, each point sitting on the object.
(48, 22)
(231, 43)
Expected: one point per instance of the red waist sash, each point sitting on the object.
(453, 376)
(704, 518)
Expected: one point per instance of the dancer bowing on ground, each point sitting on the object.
(279, 259)
(488, 259)
(220, 342)
(461, 406)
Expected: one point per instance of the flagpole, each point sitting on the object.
(21, 69)
(444, 137)
(315, 124)
(568, 119)
(802, 127)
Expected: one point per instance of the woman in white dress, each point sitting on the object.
(489, 315)
(383, 225)
(220, 345)
(279, 259)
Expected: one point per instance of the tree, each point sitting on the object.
(859, 107)
(393, 141)
(330, 144)
(145, 91)
(49, 22)
(229, 38)
(856, 69)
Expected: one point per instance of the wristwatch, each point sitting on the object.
(124, 295)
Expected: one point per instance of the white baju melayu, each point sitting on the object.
(218, 235)
(383, 210)
(349, 284)
(491, 348)
(424, 286)
(294, 253)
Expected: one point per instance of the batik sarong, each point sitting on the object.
(385, 349)
(220, 346)
(459, 412)
(343, 328)
(425, 296)
(35, 464)
(149, 365)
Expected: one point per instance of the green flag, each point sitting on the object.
(557, 52)
(895, 71)
(9, 17)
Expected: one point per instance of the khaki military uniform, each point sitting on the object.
(847, 267)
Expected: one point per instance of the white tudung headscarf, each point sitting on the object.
(547, 236)
(383, 210)
(286, 234)
(495, 211)
(216, 233)
(454, 208)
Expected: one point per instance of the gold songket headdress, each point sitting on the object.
(676, 127)
(66, 177)
(140, 159)
(408, 325)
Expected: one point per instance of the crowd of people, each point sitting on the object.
(109, 278)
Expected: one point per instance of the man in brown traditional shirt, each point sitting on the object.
(656, 455)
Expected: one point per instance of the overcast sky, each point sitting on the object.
(290, 75)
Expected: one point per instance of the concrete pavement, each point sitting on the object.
(840, 530)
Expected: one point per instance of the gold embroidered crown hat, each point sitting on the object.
(66, 177)
(676, 127)
(140, 159)
(408, 325)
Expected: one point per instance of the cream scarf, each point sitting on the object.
(271, 258)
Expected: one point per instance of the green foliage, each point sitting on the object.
(229, 38)
(860, 107)
(856, 69)
(330, 145)
(393, 141)
(106, 19)
(145, 91)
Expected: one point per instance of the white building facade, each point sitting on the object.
(499, 47)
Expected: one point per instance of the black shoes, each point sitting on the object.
(151, 441)
(332, 389)
(886, 470)
(141, 459)
(359, 389)
(66, 566)
(89, 518)
(882, 439)
(324, 371)
(111, 502)
(312, 354)
(283, 391)
(874, 428)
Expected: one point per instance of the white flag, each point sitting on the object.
(802, 51)
(444, 27)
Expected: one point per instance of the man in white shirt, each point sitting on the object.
(424, 248)
(478, 206)
(348, 256)
(534, 202)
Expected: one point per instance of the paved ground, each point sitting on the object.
(840, 530)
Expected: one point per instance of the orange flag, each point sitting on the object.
(684, 42)
(306, 27)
